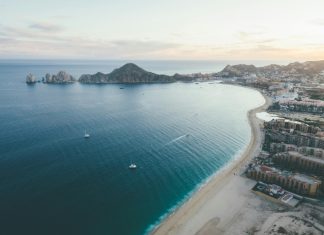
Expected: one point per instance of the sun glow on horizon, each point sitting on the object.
(143, 29)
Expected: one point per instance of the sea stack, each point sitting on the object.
(30, 79)
(61, 77)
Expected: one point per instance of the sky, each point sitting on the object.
(290, 30)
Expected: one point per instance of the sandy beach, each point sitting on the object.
(218, 208)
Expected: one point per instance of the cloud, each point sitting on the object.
(26, 43)
(22, 41)
(268, 52)
(126, 48)
(143, 45)
(254, 38)
(46, 27)
(243, 35)
(267, 48)
(20, 34)
(318, 22)
(269, 40)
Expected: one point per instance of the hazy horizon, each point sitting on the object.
(168, 30)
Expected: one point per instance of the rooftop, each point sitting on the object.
(305, 178)
(300, 177)
(313, 159)
(319, 103)
(277, 193)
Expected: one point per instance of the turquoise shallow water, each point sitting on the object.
(53, 181)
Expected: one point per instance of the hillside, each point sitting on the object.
(131, 73)
(308, 69)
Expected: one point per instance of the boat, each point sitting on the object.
(86, 135)
(132, 166)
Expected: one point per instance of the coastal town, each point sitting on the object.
(294, 132)
(175, 117)
(277, 186)
(279, 180)
(289, 169)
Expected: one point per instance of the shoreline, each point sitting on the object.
(206, 211)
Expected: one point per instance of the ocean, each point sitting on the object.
(53, 181)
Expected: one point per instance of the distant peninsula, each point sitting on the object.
(131, 73)
(128, 73)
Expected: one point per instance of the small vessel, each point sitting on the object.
(86, 135)
(132, 166)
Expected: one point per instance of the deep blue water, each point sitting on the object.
(53, 181)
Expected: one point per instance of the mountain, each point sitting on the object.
(95, 78)
(131, 73)
(238, 70)
(308, 69)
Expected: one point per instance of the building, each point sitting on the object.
(282, 147)
(298, 183)
(276, 194)
(295, 160)
(286, 124)
(308, 151)
(306, 105)
(298, 139)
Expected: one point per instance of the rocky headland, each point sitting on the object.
(131, 73)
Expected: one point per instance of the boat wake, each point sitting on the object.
(176, 139)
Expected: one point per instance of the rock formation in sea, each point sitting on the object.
(131, 73)
(61, 77)
(30, 79)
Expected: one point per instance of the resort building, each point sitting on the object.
(295, 160)
(282, 147)
(306, 105)
(308, 151)
(298, 183)
(298, 139)
(276, 194)
(287, 124)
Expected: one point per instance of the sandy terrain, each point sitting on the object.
(225, 205)
(307, 219)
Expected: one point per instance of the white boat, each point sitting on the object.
(86, 135)
(132, 166)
